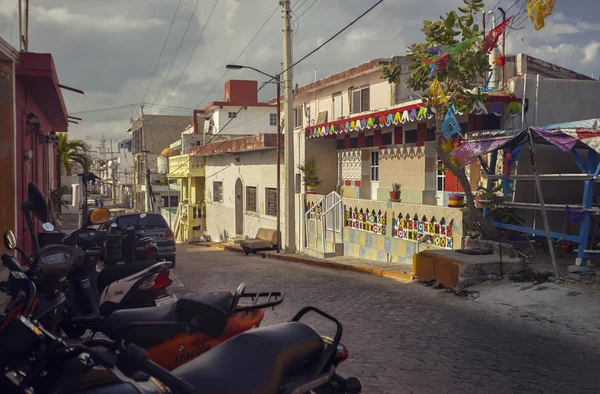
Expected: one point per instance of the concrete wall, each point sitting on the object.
(558, 100)
(8, 143)
(322, 99)
(325, 152)
(159, 132)
(252, 120)
(257, 169)
(383, 244)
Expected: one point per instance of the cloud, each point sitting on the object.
(109, 48)
(62, 16)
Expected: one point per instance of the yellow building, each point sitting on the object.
(190, 222)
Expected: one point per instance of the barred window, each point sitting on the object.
(271, 201)
(218, 191)
(251, 199)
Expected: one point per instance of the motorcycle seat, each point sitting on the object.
(207, 312)
(113, 273)
(254, 362)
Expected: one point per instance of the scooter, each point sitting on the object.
(116, 287)
(285, 358)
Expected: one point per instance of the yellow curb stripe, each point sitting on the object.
(325, 264)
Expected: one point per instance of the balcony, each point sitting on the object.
(184, 166)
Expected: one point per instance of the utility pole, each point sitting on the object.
(26, 25)
(145, 165)
(288, 110)
(20, 26)
(113, 173)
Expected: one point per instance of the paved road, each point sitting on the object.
(406, 338)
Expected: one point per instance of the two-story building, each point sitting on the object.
(367, 135)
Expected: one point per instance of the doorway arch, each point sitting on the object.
(239, 207)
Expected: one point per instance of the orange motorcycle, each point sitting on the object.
(177, 333)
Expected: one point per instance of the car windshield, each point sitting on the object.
(155, 221)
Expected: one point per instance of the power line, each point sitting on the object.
(104, 109)
(240, 55)
(307, 8)
(300, 5)
(177, 52)
(191, 54)
(270, 80)
(162, 50)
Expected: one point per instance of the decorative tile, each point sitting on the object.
(362, 253)
(369, 241)
(387, 244)
(381, 256)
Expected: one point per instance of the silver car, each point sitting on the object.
(151, 225)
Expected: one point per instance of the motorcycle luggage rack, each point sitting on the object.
(339, 330)
(257, 301)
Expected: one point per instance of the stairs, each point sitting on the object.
(235, 240)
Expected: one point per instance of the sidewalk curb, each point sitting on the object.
(321, 263)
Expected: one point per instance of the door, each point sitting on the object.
(239, 208)
(440, 183)
(374, 174)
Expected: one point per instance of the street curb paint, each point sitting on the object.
(322, 263)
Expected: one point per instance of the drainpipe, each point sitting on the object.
(503, 45)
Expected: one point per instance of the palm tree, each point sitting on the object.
(72, 151)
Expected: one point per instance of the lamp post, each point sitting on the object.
(277, 79)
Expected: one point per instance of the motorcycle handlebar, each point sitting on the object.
(138, 355)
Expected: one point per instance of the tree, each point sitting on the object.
(76, 151)
(448, 70)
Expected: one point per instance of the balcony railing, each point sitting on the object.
(183, 166)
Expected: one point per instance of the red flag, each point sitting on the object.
(492, 38)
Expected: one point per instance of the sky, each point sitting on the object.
(110, 48)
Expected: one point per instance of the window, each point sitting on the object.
(441, 176)
(340, 144)
(271, 201)
(410, 136)
(360, 100)
(386, 139)
(369, 141)
(431, 133)
(250, 198)
(375, 166)
(232, 115)
(272, 119)
(218, 191)
(298, 117)
(353, 143)
(337, 106)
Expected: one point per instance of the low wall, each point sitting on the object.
(394, 232)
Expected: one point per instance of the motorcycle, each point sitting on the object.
(116, 288)
(285, 358)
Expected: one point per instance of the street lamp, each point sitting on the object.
(277, 79)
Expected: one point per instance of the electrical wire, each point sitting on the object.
(191, 55)
(307, 8)
(190, 156)
(104, 109)
(239, 56)
(177, 51)
(162, 50)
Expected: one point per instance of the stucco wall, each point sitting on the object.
(252, 120)
(559, 100)
(325, 152)
(7, 148)
(257, 169)
(322, 99)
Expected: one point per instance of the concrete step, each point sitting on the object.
(318, 253)
(235, 240)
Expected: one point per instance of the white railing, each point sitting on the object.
(331, 218)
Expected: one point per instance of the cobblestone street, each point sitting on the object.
(407, 338)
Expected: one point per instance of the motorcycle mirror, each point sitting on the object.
(99, 216)
(37, 203)
(48, 227)
(10, 240)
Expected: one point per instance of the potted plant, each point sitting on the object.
(395, 192)
(310, 171)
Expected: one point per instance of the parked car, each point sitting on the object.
(152, 225)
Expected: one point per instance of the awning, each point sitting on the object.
(583, 134)
(409, 113)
